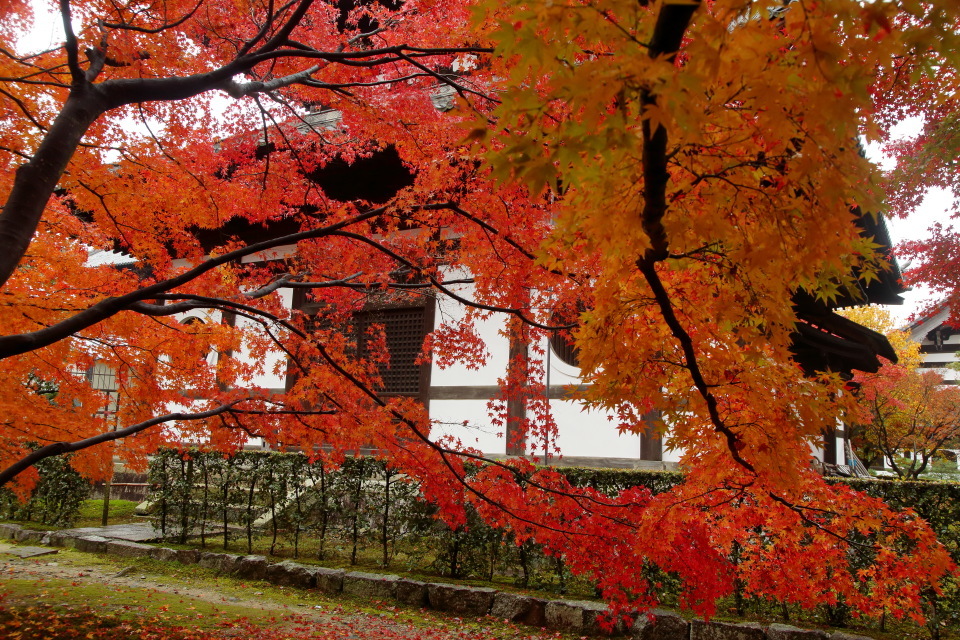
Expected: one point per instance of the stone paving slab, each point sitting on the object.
(30, 552)
(134, 532)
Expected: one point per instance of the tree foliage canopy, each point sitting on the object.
(675, 173)
(908, 417)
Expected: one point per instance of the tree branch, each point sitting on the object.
(672, 23)
(36, 180)
(648, 269)
(21, 343)
(60, 448)
(236, 90)
(169, 25)
(71, 45)
(519, 313)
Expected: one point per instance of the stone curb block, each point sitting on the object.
(412, 593)
(188, 556)
(128, 549)
(370, 585)
(841, 635)
(700, 630)
(291, 574)
(329, 580)
(251, 567)
(90, 544)
(54, 539)
(518, 608)
(28, 535)
(462, 600)
(164, 554)
(219, 562)
(579, 616)
(786, 632)
(660, 625)
(9, 531)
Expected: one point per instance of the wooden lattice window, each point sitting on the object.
(404, 329)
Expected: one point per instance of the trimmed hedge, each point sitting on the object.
(613, 481)
(364, 504)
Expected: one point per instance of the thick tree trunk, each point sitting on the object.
(36, 180)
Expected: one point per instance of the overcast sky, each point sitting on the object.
(936, 207)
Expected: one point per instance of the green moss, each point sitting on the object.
(121, 511)
(125, 603)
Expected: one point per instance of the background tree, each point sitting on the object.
(909, 417)
(683, 173)
(923, 159)
(876, 398)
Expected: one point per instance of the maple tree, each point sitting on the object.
(683, 176)
(924, 160)
(906, 415)
(909, 417)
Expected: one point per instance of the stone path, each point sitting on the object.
(30, 552)
(134, 532)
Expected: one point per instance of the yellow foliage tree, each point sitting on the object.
(882, 321)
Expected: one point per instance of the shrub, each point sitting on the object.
(56, 498)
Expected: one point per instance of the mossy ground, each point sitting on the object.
(416, 562)
(175, 597)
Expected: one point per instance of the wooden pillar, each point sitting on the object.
(830, 447)
(651, 442)
(517, 369)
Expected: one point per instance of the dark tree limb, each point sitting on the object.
(170, 25)
(672, 23)
(61, 448)
(21, 343)
(522, 314)
(649, 270)
(71, 45)
(36, 180)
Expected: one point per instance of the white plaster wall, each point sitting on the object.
(497, 346)
(468, 421)
(590, 433)
(816, 451)
(581, 432)
(939, 358)
(671, 455)
(273, 375)
(558, 371)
